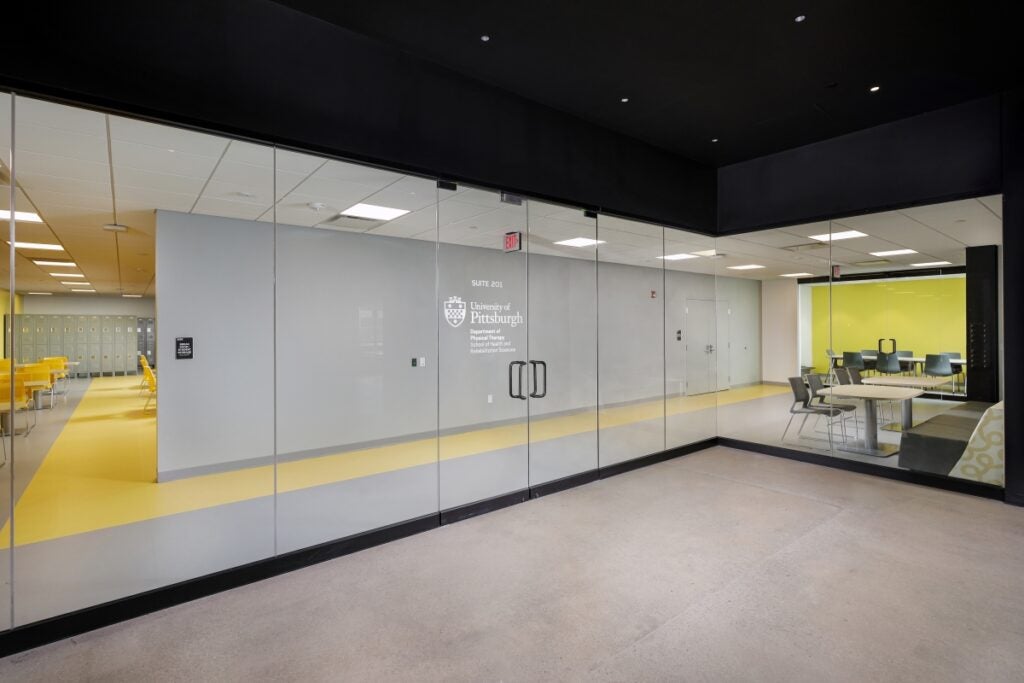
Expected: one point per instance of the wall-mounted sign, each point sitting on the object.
(513, 241)
(835, 272)
(183, 348)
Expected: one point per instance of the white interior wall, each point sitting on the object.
(780, 323)
(353, 310)
(88, 304)
(216, 282)
(805, 325)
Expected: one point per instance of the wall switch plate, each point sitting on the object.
(423, 361)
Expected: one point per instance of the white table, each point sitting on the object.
(869, 394)
(917, 360)
(923, 383)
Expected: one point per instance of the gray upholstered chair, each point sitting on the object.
(907, 365)
(853, 360)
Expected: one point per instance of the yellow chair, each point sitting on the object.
(144, 362)
(38, 372)
(21, 403)
(59, 368)
(150, 385)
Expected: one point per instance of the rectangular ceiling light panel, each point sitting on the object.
(580, 242)
(894, 252)
(373, 212)
(833, 236)
(677, 257)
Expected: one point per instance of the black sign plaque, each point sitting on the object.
(183, 347)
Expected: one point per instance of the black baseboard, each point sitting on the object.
(974, 488)
(572, 481)
(91, 618)
(480, 507)
(637, 463)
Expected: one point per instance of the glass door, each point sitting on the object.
(563, 341)
(484, 374)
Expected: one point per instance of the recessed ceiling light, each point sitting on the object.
(580, 242)
(60, 275)
(624, 99)
(38, 245)
(894, 252)
(40, 293)
(26, 216)
(800, 18)
(132, 296)
(77, 284)
(749, 266)
(677, 257)
(380, 213)
(172, 150)
(797, 275)
(832, 237)
(83, 290)
(485, 38)
(706, 252)
(931, 263)
(874, 88)
(714, 139)
(115, 227)
(58, 264)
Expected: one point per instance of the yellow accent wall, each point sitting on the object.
(923, 315)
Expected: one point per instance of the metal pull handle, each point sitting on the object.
(522, 366)
(511, 365)
(534, 393)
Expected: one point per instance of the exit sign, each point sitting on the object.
(513, 241)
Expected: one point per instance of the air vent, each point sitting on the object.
(350, 223)
(811, 246)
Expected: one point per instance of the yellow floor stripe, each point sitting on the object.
(100, 471)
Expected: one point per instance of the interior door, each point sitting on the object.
(700, 345)
(484, 377)
(562, 362)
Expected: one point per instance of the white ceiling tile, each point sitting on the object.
(160, 138)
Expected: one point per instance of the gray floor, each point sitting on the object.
(722, 565)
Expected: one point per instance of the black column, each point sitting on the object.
(983, 323)
(1013, 289)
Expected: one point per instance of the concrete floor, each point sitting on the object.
(721, 565)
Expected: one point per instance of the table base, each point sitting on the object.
(883, 450)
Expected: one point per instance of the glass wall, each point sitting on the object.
(219, 351)
(864, 340)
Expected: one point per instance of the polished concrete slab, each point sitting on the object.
(721, 565)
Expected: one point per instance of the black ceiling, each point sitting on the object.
(742, 71)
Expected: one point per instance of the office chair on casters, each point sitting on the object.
(801, 406)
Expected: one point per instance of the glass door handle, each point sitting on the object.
(534, 393)
(511, 392)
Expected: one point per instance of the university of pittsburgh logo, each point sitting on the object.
(454, 310)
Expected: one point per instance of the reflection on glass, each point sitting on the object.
(631, 339)
(10, 391)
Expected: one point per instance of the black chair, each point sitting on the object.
(938, 365)
(801, 406)
(907, 365)
(869, 364)
(853, 360)
(843, 376)
(958, 370)
(888, 363)
(855, 377)
(818, 401)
